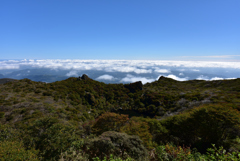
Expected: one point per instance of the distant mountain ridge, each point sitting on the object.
(6, 80)
(160, 97)
(46, 75)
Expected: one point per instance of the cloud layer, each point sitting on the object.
(137, 66)
(126, 71)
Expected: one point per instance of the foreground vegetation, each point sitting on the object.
(82, 119)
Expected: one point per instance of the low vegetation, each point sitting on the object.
(82, 119)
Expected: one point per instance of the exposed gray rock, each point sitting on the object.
(161, 78)
(161, 111)
(182, 102)
(83, 77)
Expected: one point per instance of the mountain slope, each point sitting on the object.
(71, 114)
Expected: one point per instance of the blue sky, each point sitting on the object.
(120, 29)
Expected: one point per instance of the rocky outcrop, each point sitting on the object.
(133, 87)
(83, 77)
(161, 78)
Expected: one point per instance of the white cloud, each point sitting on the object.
(105, 77)
(137, 66)
(157, 70)
(10, 64)
(176, 78)
(72, 73)
(140, 71)
(202, 77)
(131, 78)
(196, 70)
(216, 78)
(229, 78)
(126, 69)
(181, 74)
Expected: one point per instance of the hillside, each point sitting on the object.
(5, 80)
(36, 111)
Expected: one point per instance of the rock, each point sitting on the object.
(182, 93)
(160, 111)
(207, 85)
(83, 77)
(182, 102)
(133, 87)
(161, 78)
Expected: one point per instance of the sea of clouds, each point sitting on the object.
(121, 71)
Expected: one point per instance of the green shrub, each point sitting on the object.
(8, 133)
(118, 144)
(14, 150)
(2, 114)
(50, 137)
(109, 122)
(140, 129)
(112, 158)
(205, 125)
(73, 154)
(171, 152)
(221, 154)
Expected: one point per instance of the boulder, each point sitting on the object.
(133, 87)
(161, 78)
(83, 77)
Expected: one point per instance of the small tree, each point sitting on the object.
(205, 125)
(215, 124)
(118, 144)
(109, 122)
(140, 129)
(14, 150)
(50, 137)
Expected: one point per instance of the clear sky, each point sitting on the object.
(120, 29)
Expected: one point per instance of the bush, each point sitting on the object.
(50, 137)
(172, 152)
(2, 114)
(221, 154)
(140, 129)
(8, 133)
(73, 154)
(14, 150)
(112, 158)
(118, 144)
(206, 125)
(109, 122)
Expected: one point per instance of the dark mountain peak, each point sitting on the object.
(83, 77)
(161, 78)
